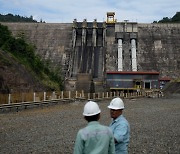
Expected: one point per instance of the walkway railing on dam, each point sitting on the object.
(71, 95)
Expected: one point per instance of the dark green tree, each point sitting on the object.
(174, 19)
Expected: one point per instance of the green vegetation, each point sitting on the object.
(15, 18)
(174, 19)
(25, 54)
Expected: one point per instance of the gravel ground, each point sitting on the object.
(155, 127)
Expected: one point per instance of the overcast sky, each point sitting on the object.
(58, 11)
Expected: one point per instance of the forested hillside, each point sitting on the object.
(174, 19)
(15, 18)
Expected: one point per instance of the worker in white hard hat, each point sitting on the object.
(94, 138)
(119, 126)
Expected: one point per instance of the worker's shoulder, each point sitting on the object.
(105, 128)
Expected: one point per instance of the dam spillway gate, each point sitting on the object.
(88, 45)
(98, 47)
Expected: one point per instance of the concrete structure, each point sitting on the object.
(98, 47)
(131, 81)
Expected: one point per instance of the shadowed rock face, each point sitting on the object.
(16, 78)
(172, 88)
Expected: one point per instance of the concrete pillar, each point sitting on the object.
(133, 50)
(104, 33)
(94, 35)
(74, 33)
(83, 36)
(84, 26)
(74, 38)
(83, 43)
(120, 64)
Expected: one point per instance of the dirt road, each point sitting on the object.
(155, 127)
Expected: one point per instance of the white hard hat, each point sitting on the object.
(116, 104)
(91, 108)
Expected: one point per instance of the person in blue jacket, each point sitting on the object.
(94, 138)
(119, 126)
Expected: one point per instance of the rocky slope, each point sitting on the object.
(172, 89)
(14, 77)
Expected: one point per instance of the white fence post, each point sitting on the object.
(98, 95)
(9, 99)
(62, 95)
(53, 95)
(34, 97)
(44, 96)
(88, 95)
(76, 94)
(83, 93)
(69, 94)
(94, 95)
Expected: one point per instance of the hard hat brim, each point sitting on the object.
(114, 108)
(88, 115)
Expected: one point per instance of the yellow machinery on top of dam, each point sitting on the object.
(110, 18)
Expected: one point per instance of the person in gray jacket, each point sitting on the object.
(94, 138)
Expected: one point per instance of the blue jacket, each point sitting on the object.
(121, 131)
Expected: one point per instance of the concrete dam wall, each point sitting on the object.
(94, 48)
(52, 41)
(159, 48)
